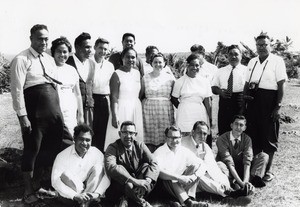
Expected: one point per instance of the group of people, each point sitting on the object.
(147, 129)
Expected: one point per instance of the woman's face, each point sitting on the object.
(129, 59)
(193, 68)
(158, 63)
(61, 54)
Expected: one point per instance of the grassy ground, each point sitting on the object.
(283, 191)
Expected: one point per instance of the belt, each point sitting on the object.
(100, 95)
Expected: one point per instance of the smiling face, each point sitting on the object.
(200, 134)
(234, 57)
(173, 139)
(238, 127)
(83, 143)
(39, 40)
(193, 68)
(129, 58)
(127, 135)
(101, 49)
(128, 42)
(61, 54)
(158, 63)
(84, 50)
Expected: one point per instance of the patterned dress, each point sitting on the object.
(158, 112)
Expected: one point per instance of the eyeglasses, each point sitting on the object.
(174, 137)
(129, 133)
(261, 45)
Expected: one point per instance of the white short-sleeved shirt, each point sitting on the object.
(274, 72)
(178, 161)
(102, 75)
(239, 77)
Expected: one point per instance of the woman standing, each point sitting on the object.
(158, 112)
(125, 86)
(69, 91)
(191, 95)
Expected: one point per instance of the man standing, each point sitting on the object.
(132, 168)
(180, 169)
(99, 90)
(36, 103)
(266, 78)
(78, 171)
(128, 40)
(229, 83)
(80, 60)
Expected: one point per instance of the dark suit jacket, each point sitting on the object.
(120, 169)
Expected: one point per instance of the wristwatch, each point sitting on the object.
(279, 105)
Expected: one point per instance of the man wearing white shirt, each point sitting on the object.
(230, 102)
(80, 60)
(99, 90)
(180, 168)
(78, 172)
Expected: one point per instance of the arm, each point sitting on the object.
(280, 94)
(175, 101)
(18, 78)
(142, 91)
(207, 105)
(79, 103)
(114, 97)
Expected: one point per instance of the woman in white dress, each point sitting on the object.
(69, 92)
(191, 95)
(125, 86)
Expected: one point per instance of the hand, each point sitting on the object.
(82, 197)
(225, 94)
(90, 101)
(139, 192)
(247, 97)
(94, 196)
(115, 121)
(275, 115)
(142, 183)
(25, 124)
(80, 119)
(250, 187)
(186, 179)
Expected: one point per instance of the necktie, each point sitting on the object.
(230, 81)
(49, 78)
(236, 143)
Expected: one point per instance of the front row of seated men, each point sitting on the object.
(183, 166)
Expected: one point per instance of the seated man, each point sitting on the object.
(180, 168)
(78, 172)
(132, 168)
(235, 150)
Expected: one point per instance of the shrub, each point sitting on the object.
(4, 75)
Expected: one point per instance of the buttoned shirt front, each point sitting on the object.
(177, 162)
(83, 68)
(27, 71)
(102, 75)
(69, 160)
(239, 77)
(274, 72)
(233, 139)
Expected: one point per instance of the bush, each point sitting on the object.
(4, 75)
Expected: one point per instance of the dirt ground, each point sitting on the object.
(283, 191)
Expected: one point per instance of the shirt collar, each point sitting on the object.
(232, 137)
(194, 142)
(73, 152)
(34, 53)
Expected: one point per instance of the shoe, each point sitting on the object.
(258, 182)
(191, 203)
(174, 204)
(27, 200)
(268, 177)
(238, 193)
(123, 202)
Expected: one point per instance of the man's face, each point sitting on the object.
(85, 49)
(238, 126)
(127, 135)
(200, 134)
(83, 143)
(148, 55)
(263, 47)
(173, 139)
(234, 57)
(39, 40)
(128, 42)
(101, 49)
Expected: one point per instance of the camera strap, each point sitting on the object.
(261, 73)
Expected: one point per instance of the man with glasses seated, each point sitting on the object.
(132, 168)
(180, 169)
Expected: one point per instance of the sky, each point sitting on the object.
(171, 25)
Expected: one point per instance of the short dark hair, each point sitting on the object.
(241, 117)
(37, 27)
(127, 35)
(60, 41)
(262, 35)
(126, 50)
(200, 123)
(82, 37)
(82, 128)
(192, 57)
(158, 55)
(172, 128)
(231, 47)
(150, 48)
(101, 40)
(198, 48)
(127, 123)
